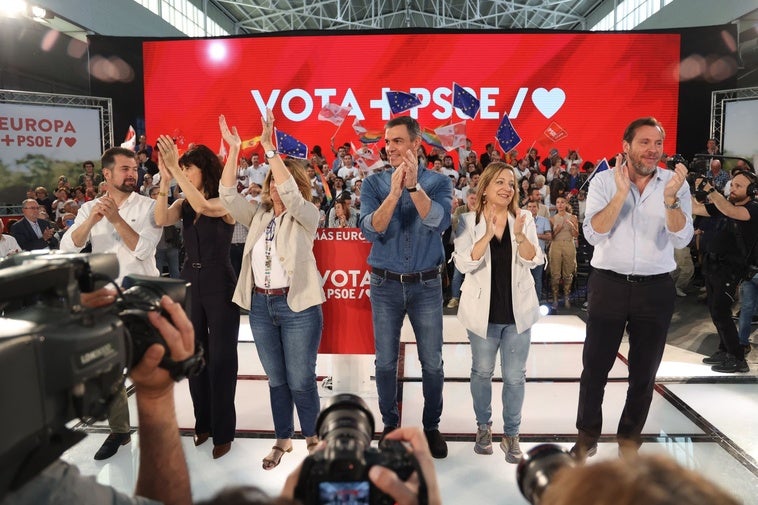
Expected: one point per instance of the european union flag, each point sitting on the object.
(465, 101)
(289, 145)
(401, 101)
(506, 135)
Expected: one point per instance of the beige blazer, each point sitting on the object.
(474, 306)
(294, 243)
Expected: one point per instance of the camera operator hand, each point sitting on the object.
(406, 492)
(163, 471)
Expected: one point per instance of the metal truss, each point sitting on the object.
(718, 98)
(255, 16)
(104, 107)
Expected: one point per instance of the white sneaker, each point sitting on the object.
(679, 292)
(453, 303)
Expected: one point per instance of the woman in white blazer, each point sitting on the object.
(495, 247)
(280, 284)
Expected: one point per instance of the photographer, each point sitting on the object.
(726, 260)
(162, 472)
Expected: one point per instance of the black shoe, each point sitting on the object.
(386, 431)
(731, 365)
(716, 358)
(111, 445)
(746, 349)
(437, 444)
(581, 453)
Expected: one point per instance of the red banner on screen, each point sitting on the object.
(592, 84)
(341, 257)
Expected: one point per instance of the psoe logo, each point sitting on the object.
(301, 105)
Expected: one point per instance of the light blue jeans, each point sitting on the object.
(287, 344)
(748, 302)
(455, 286)
(422, 301)
(514, 349)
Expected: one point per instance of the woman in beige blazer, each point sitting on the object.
(495, 247)
(280, 284)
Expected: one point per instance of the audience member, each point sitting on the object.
(8, 244)
(33, 233)
(544, 236)
(562, 251)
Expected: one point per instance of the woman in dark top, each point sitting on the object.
(207, 232)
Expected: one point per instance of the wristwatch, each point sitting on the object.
(270, 154)
(414, 188)
(675, 205)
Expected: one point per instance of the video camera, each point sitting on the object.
(537, 468)
(339, 473)
(698, 169)
(59, 360)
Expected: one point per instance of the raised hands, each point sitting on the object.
(230, 136)
(267, 135)
(621, 175)
(675, 183)
(168, 161)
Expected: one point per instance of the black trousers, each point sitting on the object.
(216, 321)
(644, 309)
(720, 286)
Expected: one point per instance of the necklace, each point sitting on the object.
(269, 238)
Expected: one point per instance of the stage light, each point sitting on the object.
(12, 8)
(217, 51)
(546, 310)
(38, 12)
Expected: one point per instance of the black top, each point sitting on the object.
(207, 243)
(501, 299)
(725, 243)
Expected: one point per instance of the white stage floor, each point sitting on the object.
(703, 419)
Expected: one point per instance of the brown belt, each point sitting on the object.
(271, 292)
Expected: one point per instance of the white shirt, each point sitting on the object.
(347, 173)
(8, 245)
(278, 277)
(257, 175)
(137, 211)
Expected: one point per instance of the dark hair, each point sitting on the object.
(109, 157)
(142, 151)
(631, 130)
(208, 163)
(414, 129)
(88, 162)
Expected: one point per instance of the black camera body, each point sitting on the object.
(538, 467)
(339, 473)
(60, 361)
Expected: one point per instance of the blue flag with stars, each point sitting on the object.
(506, 135)
(401, 101)
(465, 101)
(289, 145)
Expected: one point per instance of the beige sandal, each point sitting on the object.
(275, 457)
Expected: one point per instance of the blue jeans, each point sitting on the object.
(455, 286)
(514, 349)
(287, 344)
(422, 301)
(748, 302)
(537, 274)
(169, 258)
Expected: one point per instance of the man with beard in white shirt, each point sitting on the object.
(119, 222)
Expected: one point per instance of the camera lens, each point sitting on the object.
(537, 468)
(346, 424)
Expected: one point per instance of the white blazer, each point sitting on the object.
(474, 306)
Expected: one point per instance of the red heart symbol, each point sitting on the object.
(70, 141)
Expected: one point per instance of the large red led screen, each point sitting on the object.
(590, 85)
